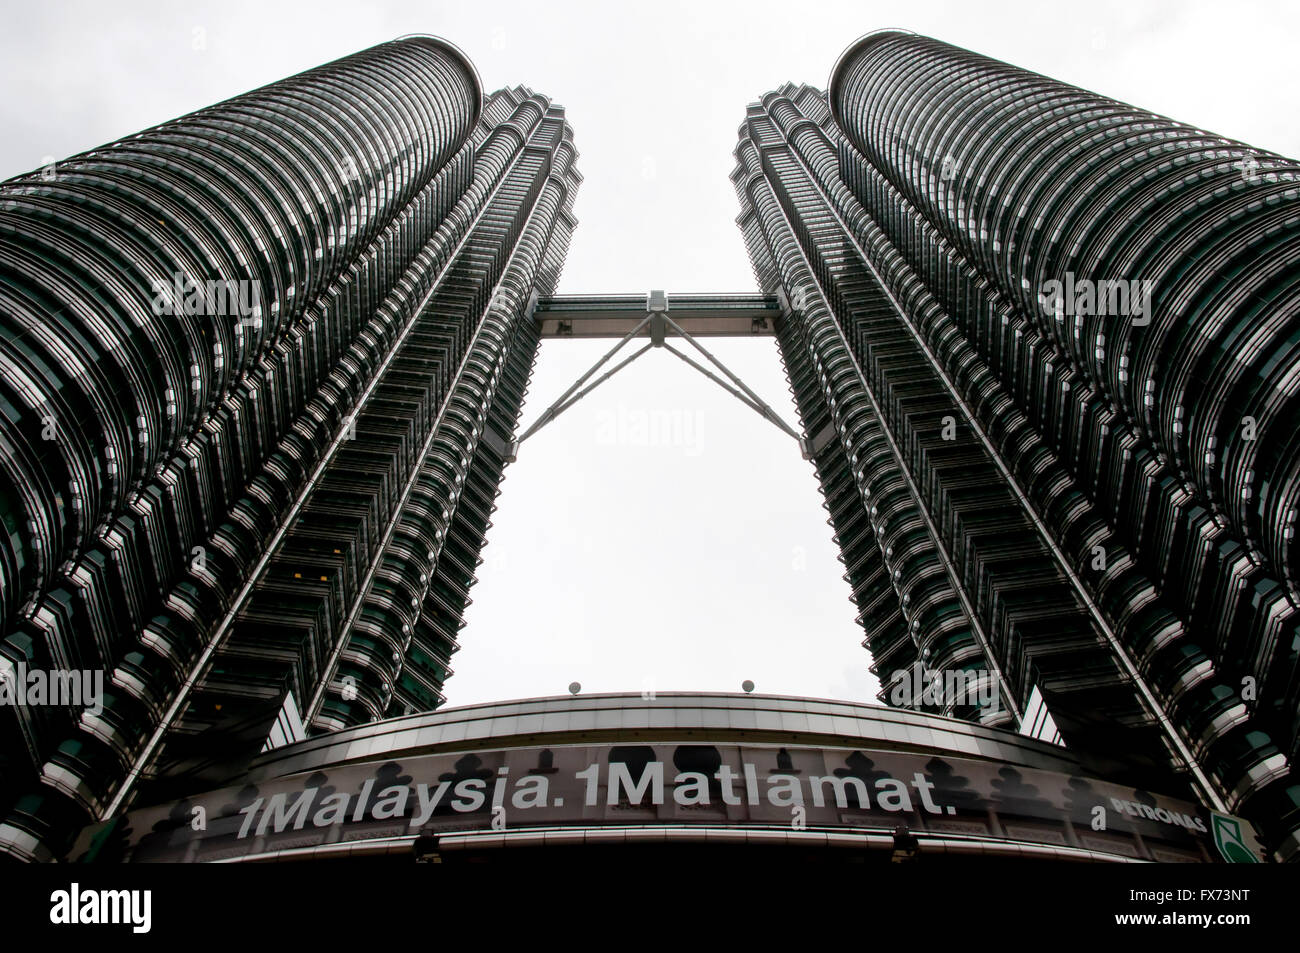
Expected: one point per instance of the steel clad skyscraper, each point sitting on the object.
(261, 370)
(259, 366)
(1044, 346)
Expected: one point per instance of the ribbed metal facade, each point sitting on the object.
(215, 510)
(240, 516)
(1101, 507)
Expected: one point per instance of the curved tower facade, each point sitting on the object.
(1045, 347)
(261, 370)
(259, 367)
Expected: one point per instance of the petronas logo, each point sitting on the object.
(1231, 841)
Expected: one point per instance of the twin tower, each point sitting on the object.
(261, 369)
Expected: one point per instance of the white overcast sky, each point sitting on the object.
(692, 554)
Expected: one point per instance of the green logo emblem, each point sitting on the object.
(1230, 840)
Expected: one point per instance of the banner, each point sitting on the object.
(796, 788)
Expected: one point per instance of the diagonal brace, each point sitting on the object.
(560, 404)
(754, 401)
(713, 377)
(593, 385)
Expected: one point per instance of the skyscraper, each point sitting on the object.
(262, 368)
(1044, 347)
(259, 367)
